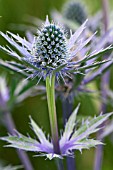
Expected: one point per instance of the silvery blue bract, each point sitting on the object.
(71, 139)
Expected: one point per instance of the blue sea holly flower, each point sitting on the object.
(50, 53)
(72, 138)
(50, 57)
(75, 12)
(50, 47)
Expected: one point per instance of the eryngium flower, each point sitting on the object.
(50, 53)
(71, 139)
(75, 12)
(49, 49)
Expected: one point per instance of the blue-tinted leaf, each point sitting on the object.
(93, 65)
(100, 52)
(98, 72)
(10, 52)
(41, 136)
(89, 127)
(22, 50)
(24, 42)
(22, 142)
(10, 67)
(76, 35)
(83, 44)
(84, 144)
(69, 126)
(26, 143)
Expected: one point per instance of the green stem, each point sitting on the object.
(59, 164)
(50, 90)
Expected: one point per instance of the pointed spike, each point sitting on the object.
(47, 21)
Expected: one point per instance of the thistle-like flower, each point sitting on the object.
(52, 56)
(50, 53)
(74, 11)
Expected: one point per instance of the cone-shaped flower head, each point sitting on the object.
(75, 11)
(49, 49)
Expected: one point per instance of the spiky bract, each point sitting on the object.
(51, 53)
(70, 140)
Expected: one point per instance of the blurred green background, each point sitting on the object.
(13, 11)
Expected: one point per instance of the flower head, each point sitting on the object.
(50, 47)
(51, 53)
(75, 12)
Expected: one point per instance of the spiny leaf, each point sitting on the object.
(90, 127)
(38, 131)
(15, 64)
(92, 65)
(22, 50)
(98, 72)
(83, 44)
(10, 52)
(85, 144)
(24, 42)
(95, 54)
(75, 36)
(12, 68)
(21, 143)
(69, 126)
(100, 52)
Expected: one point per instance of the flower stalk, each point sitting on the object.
(105, 6)
(50, 90)
(50, 81)
(104, 86)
